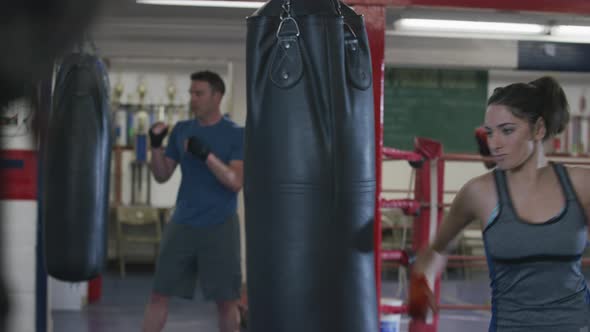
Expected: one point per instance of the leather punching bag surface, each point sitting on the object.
(309, 170)
(76, 164)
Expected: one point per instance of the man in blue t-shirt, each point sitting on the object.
(204, 232)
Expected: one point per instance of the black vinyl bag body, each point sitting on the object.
(309, 170)
(76, 170)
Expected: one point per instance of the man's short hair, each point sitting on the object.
(212, 78)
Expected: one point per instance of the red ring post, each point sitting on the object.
(428, 188)
(400, 256)
(392, 153)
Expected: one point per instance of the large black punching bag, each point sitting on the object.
(76, 170)
(309, 169)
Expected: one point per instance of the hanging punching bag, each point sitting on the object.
(309, 169)
(76, 170)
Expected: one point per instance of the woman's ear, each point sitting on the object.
(539, 130)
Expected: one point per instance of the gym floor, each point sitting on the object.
(121, 306)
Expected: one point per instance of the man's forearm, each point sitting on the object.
(159, 166)
(224, 174)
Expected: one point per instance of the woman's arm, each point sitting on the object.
(432, 260)
(462, 212)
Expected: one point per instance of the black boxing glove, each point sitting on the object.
(157, 139)
(198, 148)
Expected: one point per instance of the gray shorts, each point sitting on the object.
(211, 252)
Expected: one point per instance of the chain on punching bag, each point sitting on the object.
(76, 164)
(309, 169)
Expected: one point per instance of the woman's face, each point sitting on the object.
(511, 139)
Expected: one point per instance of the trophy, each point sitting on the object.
(140, 175)
(118, 91)
(171, 91)
(120, 114)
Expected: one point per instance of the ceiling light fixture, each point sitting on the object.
(571, 31)
(456, 26)
(203, 3)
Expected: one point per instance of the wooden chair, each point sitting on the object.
(133, 223)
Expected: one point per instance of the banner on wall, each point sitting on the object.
(442, 104)
(550, 56)
(18, 175)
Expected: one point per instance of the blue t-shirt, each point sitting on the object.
(202, 199)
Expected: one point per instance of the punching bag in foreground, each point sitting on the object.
(76, 164)
(310, 170)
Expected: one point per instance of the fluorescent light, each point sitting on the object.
(423, 25)
(571, 31)
(203, 3)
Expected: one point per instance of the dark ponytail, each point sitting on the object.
(554, 106)
(542, 98)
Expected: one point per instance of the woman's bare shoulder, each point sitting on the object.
(482, 184)
(478, 195)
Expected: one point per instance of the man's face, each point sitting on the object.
(204, 101)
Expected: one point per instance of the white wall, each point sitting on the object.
(19, 242)
(447, 52)
(19, 234)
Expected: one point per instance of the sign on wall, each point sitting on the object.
(442, 104)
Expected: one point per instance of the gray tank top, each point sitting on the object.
(535, 269)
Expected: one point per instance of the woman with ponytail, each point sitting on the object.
(532, 214)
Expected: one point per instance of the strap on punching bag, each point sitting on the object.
(287, 66)
(76, 165)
